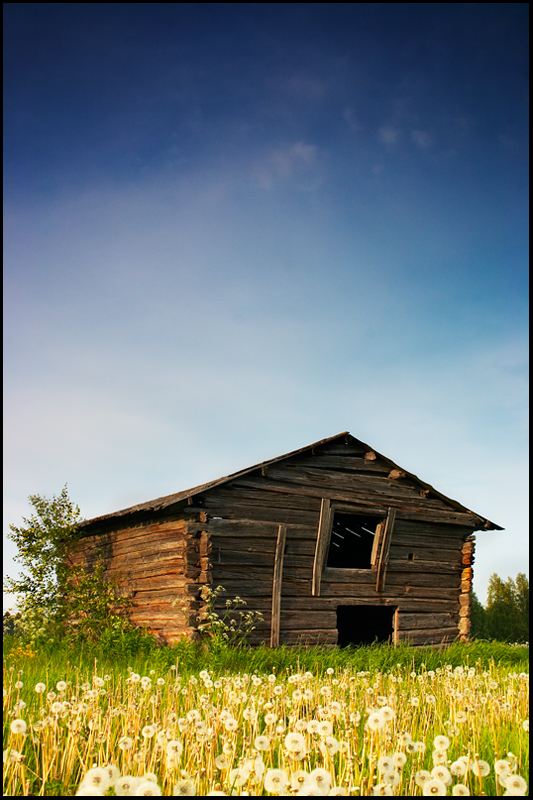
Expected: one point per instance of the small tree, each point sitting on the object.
(478, 619)
(507, 611)
(56, 598)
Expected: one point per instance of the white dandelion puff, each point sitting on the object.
(40, 688)
(238, 776)
(382, 790)
(301, 779)
(97, 777)
(18, 726)
(441, 742)
(294, 742)
(460, 790)
(147, 789)
(276, 781)
(458, 769)
(442, 773)
(375, 721)
(322, 778)
(262, 743)
(480, 768)
(400, 759)
(434, 787)
(516, 783)
(422, 777)
(385, 764)
(184, 788)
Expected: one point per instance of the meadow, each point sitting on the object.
(192, 720)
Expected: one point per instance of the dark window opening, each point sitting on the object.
(352, 538)
(361, 625)
(410, 556)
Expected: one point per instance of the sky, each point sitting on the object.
(235, 229)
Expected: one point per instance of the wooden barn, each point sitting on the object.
(333, 543)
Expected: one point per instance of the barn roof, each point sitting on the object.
(161, 503)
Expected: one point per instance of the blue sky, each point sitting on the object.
(234, 229)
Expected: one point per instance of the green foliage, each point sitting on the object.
(231, 627)
(507, 612)
(478, 619)
(58, 600)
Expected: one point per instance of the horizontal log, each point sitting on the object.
(367, 577)
(419, 566)
(426, 621)
(436, 636)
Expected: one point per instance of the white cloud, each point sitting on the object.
(388, 134)
(295, 166)
(421, 138)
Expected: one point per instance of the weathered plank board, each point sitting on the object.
(435, 636)
(276, 586)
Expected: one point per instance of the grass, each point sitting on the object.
(212, 705)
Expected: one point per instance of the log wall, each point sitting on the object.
(230, 536)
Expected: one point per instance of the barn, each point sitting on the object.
(333, 543)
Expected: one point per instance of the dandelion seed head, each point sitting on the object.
(460, 790)
(276, 780)
(434, 787)
(97, 777)
(515, 783)
(480, 768)
(18, 726)
(441, 742)
(184, 788)
(147, 788)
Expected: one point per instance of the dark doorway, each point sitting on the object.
(352, 539)
(359, 625)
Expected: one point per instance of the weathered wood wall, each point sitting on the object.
(425, 574)
(157, 563)
(231, 533)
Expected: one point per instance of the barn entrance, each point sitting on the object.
(359, 625)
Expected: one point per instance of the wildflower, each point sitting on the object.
(434, 787)
(322, 778)
(270, 718)
(330, 671)
(262, 743)
(431, 699)
(405, 738)
(276, 780)
(222, 761)
(420, 747)
(184, 788)
(460, 717)
(231, 724)
(147, 789)
(391, 778)
(113, 773)
(337, 791)
(516, 783)
(439, 757)
(332, 744)
(294, 742)
(148, 731)
(381, 789)
(126, 743)
(96, 778)
(442, 773)
(61, 686)
(57, 708)
(375, 721)
(525, 725)
(239, 776)
(301, 779)
(98, 682)
(502, 767)
(146, 683)
(134, 678)
(385, 764)
(325, 728)
(387, 713)
(174, 748)
(40, 688)
(19, 685)
(18, 726)
(441, 742)
(12, 756)
(460, 790)
(422, 777)
(480, 768)
(458, 769)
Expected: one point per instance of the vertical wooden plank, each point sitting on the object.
(276, 586)
(377, 544)
(385, 548)
(322, 544)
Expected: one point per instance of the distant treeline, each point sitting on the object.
(506, 615)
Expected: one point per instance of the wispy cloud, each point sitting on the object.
(295, 166)
(421, 138)
(388, 134)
